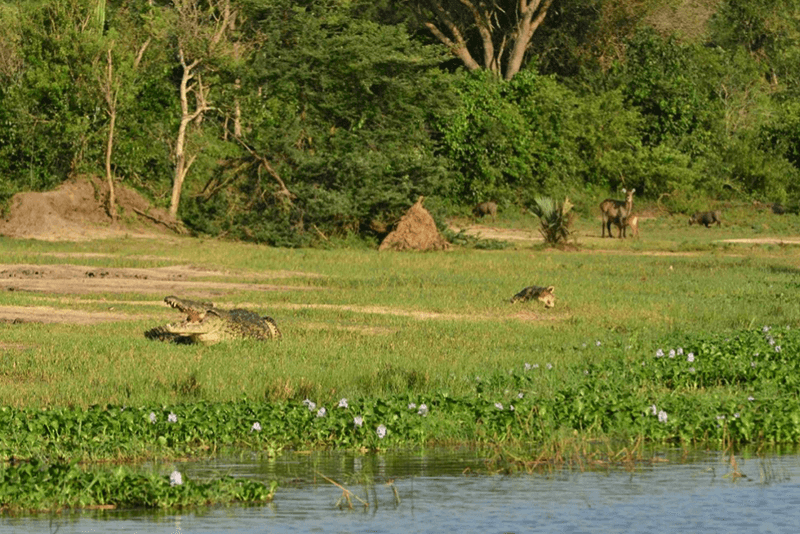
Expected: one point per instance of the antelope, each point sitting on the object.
(616, 212)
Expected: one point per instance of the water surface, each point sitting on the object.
(439, 491)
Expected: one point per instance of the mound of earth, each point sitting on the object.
(415, 231)
(75, 211)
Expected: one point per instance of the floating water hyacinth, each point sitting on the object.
(498, 405)
(662, 416)
(358, 421)
(152, 417)
(172, 418)
(321, 412)
(343, 403)
(423, 410)
(381, 431)
(175, 478)
(690, 357)
(256, 427)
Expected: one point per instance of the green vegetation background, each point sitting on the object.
(358, 111)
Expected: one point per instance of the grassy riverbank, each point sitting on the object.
(398, 329)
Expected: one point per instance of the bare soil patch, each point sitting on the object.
(75, 211)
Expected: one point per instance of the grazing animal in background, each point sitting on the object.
(615, 212)
(706, 218)
(485, 208)
(542, 294)
(778, 209)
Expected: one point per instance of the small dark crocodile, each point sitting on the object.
(208, 325)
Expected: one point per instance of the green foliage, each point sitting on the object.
(39, 485)
(344, 117)
(555, 219)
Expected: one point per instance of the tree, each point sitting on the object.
(501, 29)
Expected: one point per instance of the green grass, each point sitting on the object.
(366, 316)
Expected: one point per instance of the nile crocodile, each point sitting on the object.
(208, 325)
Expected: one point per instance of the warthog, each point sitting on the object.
(542, 294)
(706, 218)
(615, 212)
(485, 208)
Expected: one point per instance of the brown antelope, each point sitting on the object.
(632, 222)
(616, 212)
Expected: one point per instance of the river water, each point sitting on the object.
(443, 491)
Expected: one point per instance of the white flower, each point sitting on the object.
(662, 416)
(511, 407)
(671, 353)
(175, 478)
(381, 431)
(498, 405)
(690, 357)
(520, 395)
(680, 351)
(653, 409)
(311, 405)
(172, 418)
(412, 406)
(751, 399)
(423, 410)
(659, 353)
(321, 412)
(598, 343)
(528, 367)
(549, 365)
(777, 348)
(765, 329)
(152, 417)
(343, 403)
(256, 427)
(358, 420)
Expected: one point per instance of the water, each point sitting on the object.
(438, 491)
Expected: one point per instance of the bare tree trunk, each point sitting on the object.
(527, 25)
(111, 109)
(182, 164)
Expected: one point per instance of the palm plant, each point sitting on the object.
(555, 219)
